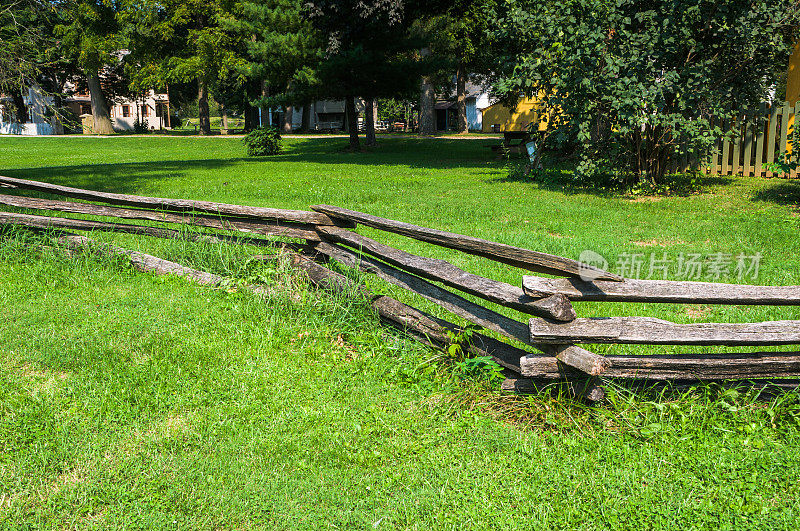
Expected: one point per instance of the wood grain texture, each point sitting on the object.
(672, 291)
(578, 358)
(153, 264)
(304, 231)
(516, 256)
(450, 275)
(178, 205)
(45, 222)
(650, 331)
(453, 302)
(679, 366)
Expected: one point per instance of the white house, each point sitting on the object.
(477, 99)
(151, 109)
(37, 105)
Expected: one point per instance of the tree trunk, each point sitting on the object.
(169, 123)
(58, 105)
(223, 112)
(371, 115)
(427, 116)
(352, 122)
(202, 104)
(305, 124)
(462, 125)
(250, 118)
(21, 114)
(263, 109)
(288, 117)
(100, 114)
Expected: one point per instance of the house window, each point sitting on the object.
(160, 110)
(126, 111)
(145, 111)
(86, 109)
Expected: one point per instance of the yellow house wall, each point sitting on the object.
(793, 77)
(793, 87)
(512, 119)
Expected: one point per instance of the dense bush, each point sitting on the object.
(639, 81)
(263, 141)
(139, 127)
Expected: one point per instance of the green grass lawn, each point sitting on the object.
(129, 400)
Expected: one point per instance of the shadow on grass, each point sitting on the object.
(411, 153)
(125, 178)
(560, 178)
(780, 193)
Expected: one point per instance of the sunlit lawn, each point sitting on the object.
(134, 401)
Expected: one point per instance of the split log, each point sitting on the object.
(578, 358)
(152, 264)
(678, 366)
(571, 355)
(44, 222)
(768, 388)
(460, 306)
(304, 231)
(421, 326)
(455, 303)
(632, 290)
(175, 205)
(650, 331)
(450, 275)
(507, 254)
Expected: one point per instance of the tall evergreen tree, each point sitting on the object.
(21, 39)
(281, 49)
(369, 52)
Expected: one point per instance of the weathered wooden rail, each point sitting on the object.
(543, 351)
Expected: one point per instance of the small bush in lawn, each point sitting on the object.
(263, 141)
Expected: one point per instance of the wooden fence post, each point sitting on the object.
(782, 140)
(773, 120)
(760, 121)
(748, 126)
(726, 146)
(737, 127)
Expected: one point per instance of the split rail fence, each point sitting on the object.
(545, 351)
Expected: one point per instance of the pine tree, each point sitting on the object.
(281, 50)
(369, 53)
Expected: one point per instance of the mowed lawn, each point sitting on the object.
(129, 400)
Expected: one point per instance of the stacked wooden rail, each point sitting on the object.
(544, 351)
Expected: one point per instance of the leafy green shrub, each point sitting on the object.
(263, 141)
(139, 127)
